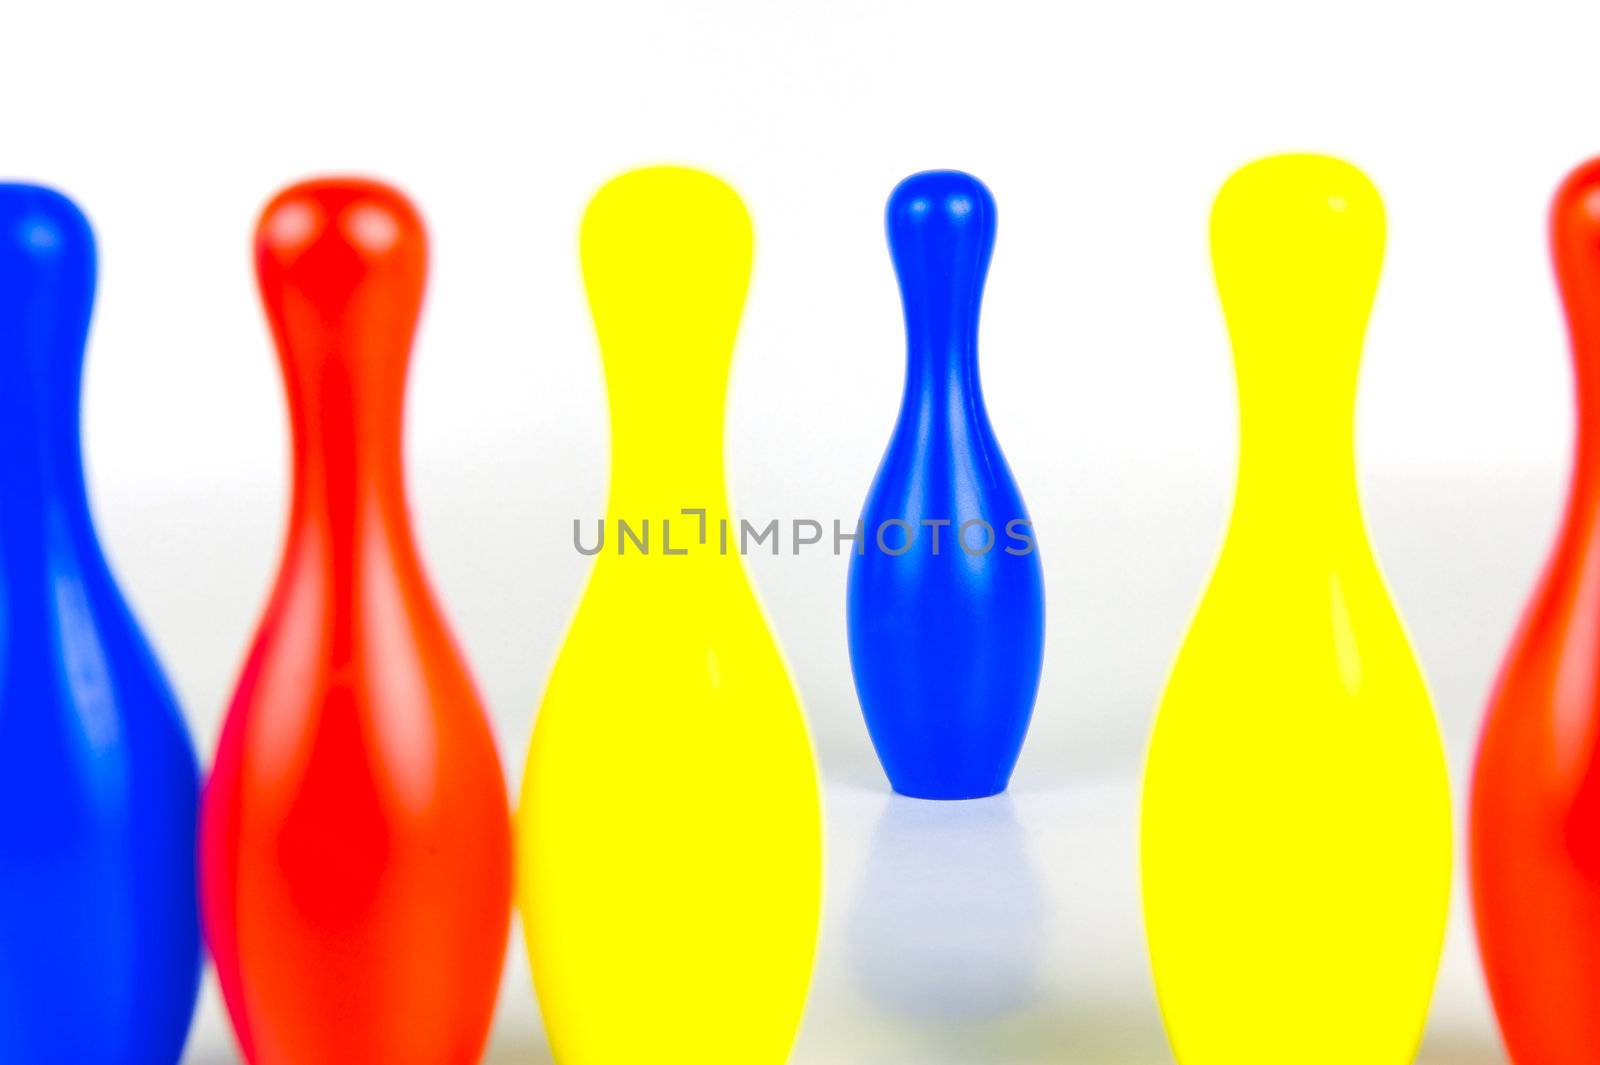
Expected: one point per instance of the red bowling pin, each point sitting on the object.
(1536, 792)
(355, 838)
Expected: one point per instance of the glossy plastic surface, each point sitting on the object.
(356, 834)
(99, 932)
(1536, 792)
(1296, 818)
(946, 634)
(670, 859)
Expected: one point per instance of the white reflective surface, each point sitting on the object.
(996, 932)
(1004, 930)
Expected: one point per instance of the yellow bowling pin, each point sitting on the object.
(1296, 819)
(670, 859)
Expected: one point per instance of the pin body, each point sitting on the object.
(670, 858)
(356, 836)
(99, 930)
(946, 595)
(1296, 815)
(1536, 791)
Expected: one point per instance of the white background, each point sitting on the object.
(1005, 931)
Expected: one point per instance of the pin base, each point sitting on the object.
(948, 791)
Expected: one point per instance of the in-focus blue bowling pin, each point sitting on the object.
(99, 933)
(946, 597)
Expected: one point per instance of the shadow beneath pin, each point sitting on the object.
(1460, 1048)
(532, 1053)
(948, 927)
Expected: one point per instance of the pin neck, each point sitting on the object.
(666, 457)
(942, 371)
(941, 296)
(40, 451)
(1297, 456)
(941, 321)
(44, 504)
(348, 483)
(1584, 496)
(1583, 322)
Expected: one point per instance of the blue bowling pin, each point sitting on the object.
(99, 931)
(946, 596)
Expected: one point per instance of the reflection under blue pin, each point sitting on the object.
(946, 620)
(99, 933)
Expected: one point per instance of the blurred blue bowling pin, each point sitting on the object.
(946, 597)
(99, 932)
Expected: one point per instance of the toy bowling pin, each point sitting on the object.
(670, 863)
(99, 932)
(1296, 818)
(356, 836)
(946, 597)
(1536, 792)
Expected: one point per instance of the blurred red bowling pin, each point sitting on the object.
(355, 838)
(1536, 792)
